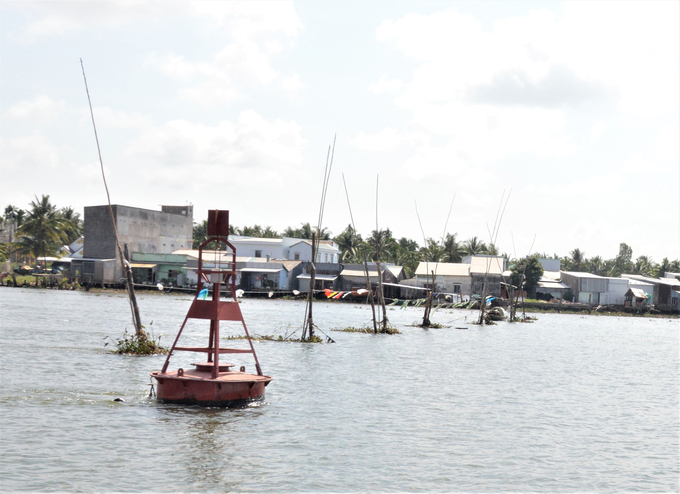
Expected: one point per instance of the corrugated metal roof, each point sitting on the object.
(483, 265)
(395, 270)
(142, 265)
(443, 269)
(552, 285)
(580, 274)
(660, 281)
(552, 275)
(257, 240)
(637, 292)
(352, 272)
(260, 270)
(324, 277)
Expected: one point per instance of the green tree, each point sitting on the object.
(474, 246)
(623, 261)
(577, 260)
(305, 231)
(73, 225)
(349, 242)
(200, 233)
(380, 244)
(269, 232)
(453, 250)
(44, 231)
(596, 265)
(406, 253)
(528, 270)
(644, 266)
(433, 252)
(663, 268)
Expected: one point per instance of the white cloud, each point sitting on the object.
(49, 19)
(251, 143)
(385, 86)
(23, 158)
(514, 90)
(259, 31)
(597, 131)
(40, 109)
(388, 140)
(541, 60)
(114, 118)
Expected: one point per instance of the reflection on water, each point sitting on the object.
(569, 403)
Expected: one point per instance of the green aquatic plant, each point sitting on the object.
(131, 344)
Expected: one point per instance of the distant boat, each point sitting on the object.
(497, 314)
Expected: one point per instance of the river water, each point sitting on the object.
(568, 403)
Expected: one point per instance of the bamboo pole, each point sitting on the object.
(129, 285)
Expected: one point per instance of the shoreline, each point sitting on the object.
(529, 307)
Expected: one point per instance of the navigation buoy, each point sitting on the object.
(213, 382)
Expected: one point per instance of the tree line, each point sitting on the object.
(42, 230)
(408, 253)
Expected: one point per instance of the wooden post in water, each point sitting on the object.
(381, 297)
(370, 292)
(129, 285)
(308, 329)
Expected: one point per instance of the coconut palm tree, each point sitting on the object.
(474, 246)
(644, 266)
(433, 252)
(44, 230)
(380, 244)
(577, 259)
(73, 224)
(453, 250)
(305, 231)
(596, 265)
(663, 268)
(349, 242)
(269, 232)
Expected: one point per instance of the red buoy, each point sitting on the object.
(213, 383)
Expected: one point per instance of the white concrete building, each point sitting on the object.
(448, 277)
(618, 287)
(288, 248)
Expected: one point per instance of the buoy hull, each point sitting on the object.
(229, 389)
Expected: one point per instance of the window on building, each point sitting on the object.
(297, 256)
(456, 288)
(258, 253)
(326, 257)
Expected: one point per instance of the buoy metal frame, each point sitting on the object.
(212, 382)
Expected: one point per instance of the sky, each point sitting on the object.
(568, 112)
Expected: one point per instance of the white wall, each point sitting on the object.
(247, 247)
(617, 291)
(302, 248)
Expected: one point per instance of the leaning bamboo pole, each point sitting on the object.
(125, 265)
